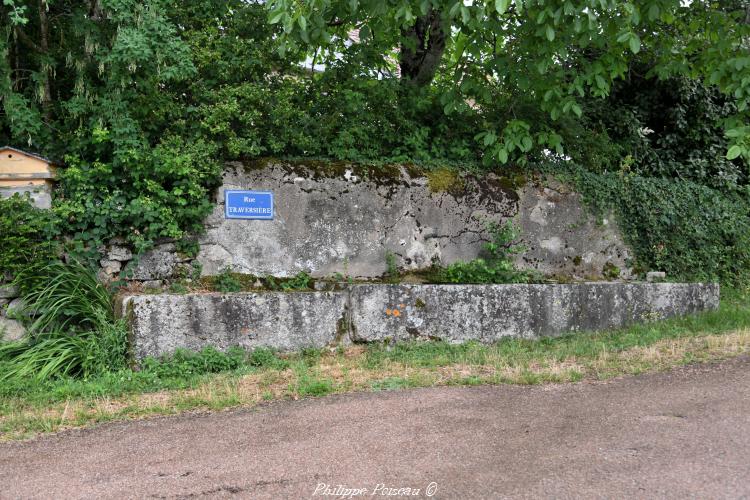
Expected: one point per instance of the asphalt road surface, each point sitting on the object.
(680, 434)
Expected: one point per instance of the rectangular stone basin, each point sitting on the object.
(159, 324)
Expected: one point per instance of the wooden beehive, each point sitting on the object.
(23, 172)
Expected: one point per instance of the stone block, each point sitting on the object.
(10, 330)
(159, 324)
(110, 267)
(8, 291)
(15, 307)
(487, 313)
(156, 264)
(119, 253)
(347, 219)
(652, 276)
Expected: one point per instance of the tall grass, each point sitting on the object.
(72, 330)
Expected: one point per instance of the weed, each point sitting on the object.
(391, 265)
(189, 247)
(266, 358)
(226, 282)
(498, 267)
(72, 331)
(178, 287)
(610, 271)
(300, 281)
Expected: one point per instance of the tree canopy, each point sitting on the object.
(143, 102)
(554, 52)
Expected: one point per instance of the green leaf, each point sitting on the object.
(550, 33)
(734, 152)
(501, 6)
(502, 155)
(635, 44)
(653, 12)
(275, 18)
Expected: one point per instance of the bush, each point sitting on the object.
(155, 193)
(28, 235)
(690, 231)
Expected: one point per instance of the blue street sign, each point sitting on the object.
(239, 204)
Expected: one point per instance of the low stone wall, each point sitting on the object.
(159, 324)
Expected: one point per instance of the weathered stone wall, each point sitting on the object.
(364, 313)
(338, 218)
(335, 218)
(159, 324)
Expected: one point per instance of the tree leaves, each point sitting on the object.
(734, 152)
(501, 6)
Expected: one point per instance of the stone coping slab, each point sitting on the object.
(159, 324)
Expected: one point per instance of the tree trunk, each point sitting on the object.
(422, 49)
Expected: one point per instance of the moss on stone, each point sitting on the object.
(445, 180)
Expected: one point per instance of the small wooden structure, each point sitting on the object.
(23, 172)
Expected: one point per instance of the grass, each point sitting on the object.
(214, 381)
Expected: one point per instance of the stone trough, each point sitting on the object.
(159, 324)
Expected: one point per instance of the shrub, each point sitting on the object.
(28, 235)
(498, 267)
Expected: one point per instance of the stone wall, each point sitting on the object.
(342, 219)
(159, 324)
(337, 218)
(10, 304)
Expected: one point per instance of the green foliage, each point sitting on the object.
(183, 363)
(498, 267)
(669, 129)
(178, 287)
(27, 235)
(58, 354)
(72, 332)
(188, 247)
(162, 192)
(300, 281)
(391, 265)
(690, 231)
(554, 54)
(64, 297)
(226, 282)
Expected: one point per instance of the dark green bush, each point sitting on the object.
(27, 235)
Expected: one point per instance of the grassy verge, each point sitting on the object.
(214, 381)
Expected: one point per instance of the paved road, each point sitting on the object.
(679, 434)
